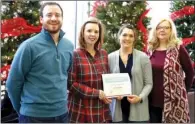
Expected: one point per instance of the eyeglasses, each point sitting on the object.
(164, 27)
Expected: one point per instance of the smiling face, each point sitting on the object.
(91, 34)
(163, 31)
(127, 38)
(52, 18)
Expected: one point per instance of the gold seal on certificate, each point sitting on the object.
(116, 84)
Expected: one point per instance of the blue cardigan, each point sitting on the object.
(37, 81)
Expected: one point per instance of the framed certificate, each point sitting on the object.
(116, 84)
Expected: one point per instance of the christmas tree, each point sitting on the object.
(29, 10)
(116, 13)
(185, 24)
(10, 10)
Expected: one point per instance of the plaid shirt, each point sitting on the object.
(85, 81)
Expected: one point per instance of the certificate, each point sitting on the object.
(116, 84)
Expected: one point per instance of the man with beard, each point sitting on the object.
(37, 81)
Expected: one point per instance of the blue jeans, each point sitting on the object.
(58, 119)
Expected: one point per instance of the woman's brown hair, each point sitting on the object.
(99, 42)
(131, 27)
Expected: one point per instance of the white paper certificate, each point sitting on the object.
(116, 84)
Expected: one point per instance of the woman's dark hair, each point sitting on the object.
(129, 26)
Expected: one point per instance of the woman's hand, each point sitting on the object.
(133, 99)
(103, 97)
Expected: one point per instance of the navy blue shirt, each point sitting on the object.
(125, 105)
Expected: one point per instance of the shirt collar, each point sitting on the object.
(86, 52)
(46, 33)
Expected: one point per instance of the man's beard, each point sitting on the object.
(54, 31)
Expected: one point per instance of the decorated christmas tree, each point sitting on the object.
(21, 14)
(19, 21)
(183, 14)
(114, 14)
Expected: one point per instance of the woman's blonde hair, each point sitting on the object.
(173, 39)
(99, 42)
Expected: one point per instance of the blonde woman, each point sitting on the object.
(172, 75)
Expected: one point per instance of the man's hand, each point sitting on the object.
(133, 99)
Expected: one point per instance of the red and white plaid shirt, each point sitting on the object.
(85, 81)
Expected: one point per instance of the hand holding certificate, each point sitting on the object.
(116, 84)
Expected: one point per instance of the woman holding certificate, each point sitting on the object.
(87, 101)
(132, 108)
(172, 75)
